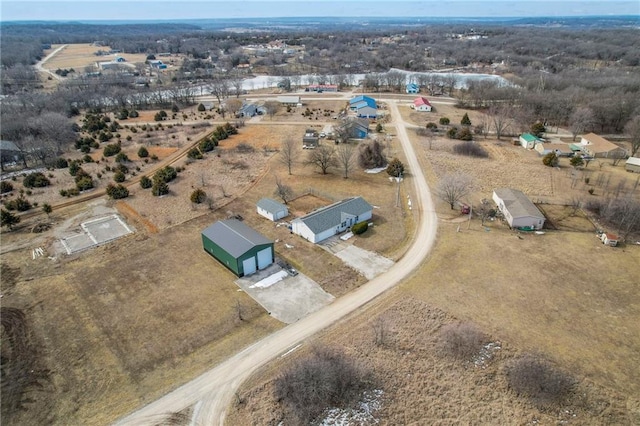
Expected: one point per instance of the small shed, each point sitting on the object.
(310, 139)
(412, 88)
(609, 239)
(239, 248)
(528, 141)
(632, 164)
(271, 209)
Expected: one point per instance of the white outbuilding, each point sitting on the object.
(271, 209)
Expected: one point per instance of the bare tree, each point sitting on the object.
(453, 187)
(499, 116)
(371, 155)
(346, 158)
(289, 153)
(380, 330)
(323, 157)
(632, 129)
(233, 106)
(283, 191)
(581, 120)
(219, 87)
(272, 108)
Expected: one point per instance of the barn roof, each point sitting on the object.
(334, 214)
(421, 101)
(597, 143)
(234, 237)
(271, 206)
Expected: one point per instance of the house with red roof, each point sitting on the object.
(422, 104)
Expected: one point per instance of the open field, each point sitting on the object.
(79, 56)
(554, 294)
(118, 326)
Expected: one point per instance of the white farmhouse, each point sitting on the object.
(517, 209)
(332, 219)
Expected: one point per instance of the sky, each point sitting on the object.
(210, 9)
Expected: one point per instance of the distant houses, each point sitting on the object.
(289, 100)
(10, 153)
(412, 88)
(332, 219)
(364, 106)
(157, 64)
(319, 88)
(422, 104)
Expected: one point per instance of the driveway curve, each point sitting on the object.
(212, 392)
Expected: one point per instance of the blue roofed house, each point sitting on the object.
(248, 110)
(332, 219)
(358, 128)
(413, 88)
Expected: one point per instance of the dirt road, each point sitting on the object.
(212, 392)
(39, 65)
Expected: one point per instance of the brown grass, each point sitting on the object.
(422, 387)
(78, 56)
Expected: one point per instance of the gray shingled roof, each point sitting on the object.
(272, 206)
(234, 237)
(8, 146)
(333, 215)
(517, 203)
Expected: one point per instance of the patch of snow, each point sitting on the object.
(486, 353)
(363, 414)
(289, 246)
(376, 170)
(346, 236)
(270, 280)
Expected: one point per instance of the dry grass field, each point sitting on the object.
(113, 328)
(79, 56)
(562, 294)
(117, 326)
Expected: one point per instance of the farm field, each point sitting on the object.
(79, 56)
(118, 326)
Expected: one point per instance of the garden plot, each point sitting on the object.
(96, 232)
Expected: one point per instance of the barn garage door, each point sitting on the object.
(249, 265)
(264, 258)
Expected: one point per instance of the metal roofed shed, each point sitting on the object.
(271, 209)
(238, 247)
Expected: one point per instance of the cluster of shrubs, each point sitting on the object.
(160, 115)
(20, 204)
(529, 374)
(224, 131)
(112, 149)
(36, 180)
(5, 187)
(160, 180)
(124, 113)
(471, 149)
(85, 144)
(462, 133)
(117, 191)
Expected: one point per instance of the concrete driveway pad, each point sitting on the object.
(368, 263)
(286, 298)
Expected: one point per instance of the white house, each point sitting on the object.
(332, 219)
(517, 209)
(560, 149)
(422, 104)
(271, 209)
(598, 147)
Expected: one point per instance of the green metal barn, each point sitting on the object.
(238, 247)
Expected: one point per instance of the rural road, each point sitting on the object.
(212, 392)
(39, 65)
